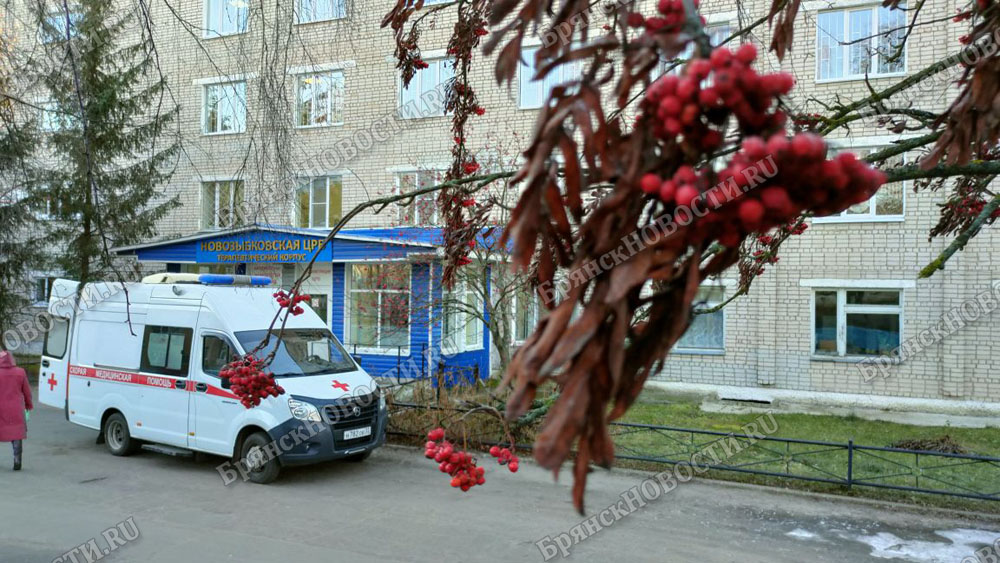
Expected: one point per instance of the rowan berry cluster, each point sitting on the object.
(291, 301)
(459, 464)
(775, 179)
(249, 381)
(505, 457)
(671, 18)
(696, 106)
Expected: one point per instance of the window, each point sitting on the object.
(53, 28)
(320, 99)
(221, 204)
(533, 94)
(461, 329)
(53, 118)
(216, 352)
(56, 338)
(225, 108)
(379, 296)
(42, 289)
(319, 303)
(424, 209)
(318, 202)
(525, 314)
(225, 17)
(425, 95)
(885, 205)
(849, 322)
(856, 43)
(717, 33)
(707, 331)
(321, 10)
(166, 350)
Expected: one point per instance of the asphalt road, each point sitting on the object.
(396, 506)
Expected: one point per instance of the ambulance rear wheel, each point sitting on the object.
(260, 469)
(117, 436)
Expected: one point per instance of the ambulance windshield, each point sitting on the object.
(301, 352)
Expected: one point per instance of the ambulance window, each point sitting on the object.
(166, 350)
(215, 353)
(55, 340)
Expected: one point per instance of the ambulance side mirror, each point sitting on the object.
(224, 381)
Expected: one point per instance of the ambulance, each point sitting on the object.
(140, 364)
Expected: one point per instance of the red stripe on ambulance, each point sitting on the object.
(141, 379)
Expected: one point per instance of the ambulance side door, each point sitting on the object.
(214, 410)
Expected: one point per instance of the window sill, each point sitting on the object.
(377, 351)
(698, 352)
(859, 219)
(325, 20)
(210, 36)
(320, 125)
(859, 78)
(222, 133)
(849, 359)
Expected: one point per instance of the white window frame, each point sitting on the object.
(306, 183)
(338, 11)
(237, 85)
(461, 319)
(843, 309)
(515, 298)
(51, 119)
(693, 351)
(233, 204)
(377, 350)
(334, 101)
(74, 20)
(713, 30)
(870, 217)
(209, 30)
(417, 85)
(412, 207)
(555, 77)
(845, 48)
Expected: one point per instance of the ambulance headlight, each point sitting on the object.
(304, 411)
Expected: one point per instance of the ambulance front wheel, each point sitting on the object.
(262, 468)
(117, 436)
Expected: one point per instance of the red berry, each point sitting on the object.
(686, 194)
(751, 213)
(746, 54)
(635, 19)
(650, 183)
(667, 191)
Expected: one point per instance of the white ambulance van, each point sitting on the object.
(142, 367)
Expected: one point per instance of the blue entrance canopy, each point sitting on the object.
(260, 243)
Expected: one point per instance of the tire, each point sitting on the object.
(117, 436)
(358, 458)
(250, 453)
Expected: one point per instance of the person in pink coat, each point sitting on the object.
(15, 398)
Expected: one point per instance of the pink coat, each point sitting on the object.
(15, 397)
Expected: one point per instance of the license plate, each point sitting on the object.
(357, 433)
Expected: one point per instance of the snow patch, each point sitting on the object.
(802, 534)
(962, 542)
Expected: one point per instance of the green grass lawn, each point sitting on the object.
(810, 460)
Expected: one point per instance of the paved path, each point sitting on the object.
(397, 507)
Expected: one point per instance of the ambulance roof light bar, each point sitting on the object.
(227, 279)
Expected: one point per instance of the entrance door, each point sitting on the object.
(214, 410)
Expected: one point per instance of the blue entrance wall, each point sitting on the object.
(424, 354)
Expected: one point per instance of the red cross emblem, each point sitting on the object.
(339, 385)
(52, 381)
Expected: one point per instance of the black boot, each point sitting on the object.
(18, 450)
